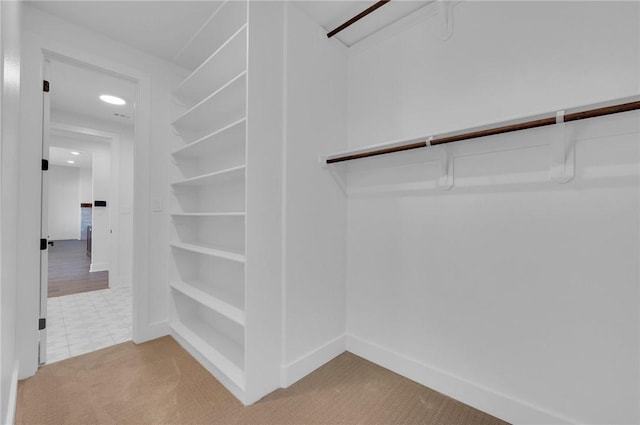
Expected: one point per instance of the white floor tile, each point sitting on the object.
(81, 323)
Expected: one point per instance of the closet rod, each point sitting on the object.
(575, 116)
(357, 17)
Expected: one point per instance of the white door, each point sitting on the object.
(44, 217)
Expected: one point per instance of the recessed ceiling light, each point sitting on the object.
(114, 100)
(71, 162)
(75, 153)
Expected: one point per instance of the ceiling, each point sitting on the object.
(75, 90)
(60, 156)
(162, 28)
(331, 14)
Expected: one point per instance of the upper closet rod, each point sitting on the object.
(357, 17)
(591, 113)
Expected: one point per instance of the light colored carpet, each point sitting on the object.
(159, 383)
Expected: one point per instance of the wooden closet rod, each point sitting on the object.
(575, 116)
(356, 18)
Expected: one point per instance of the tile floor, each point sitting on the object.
(89, 321)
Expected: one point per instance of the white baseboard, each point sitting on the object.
(10, 418)
(151, 331)
(499, 405)
(306, 364)
(98, 267)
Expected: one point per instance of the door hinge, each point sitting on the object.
(42, 324)
(45, 86)
(45, 164)
(43, 244)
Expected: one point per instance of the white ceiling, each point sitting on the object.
(60, 156)
(331, 14)
(160, 28)
(75, 90)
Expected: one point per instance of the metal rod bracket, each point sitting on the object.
(561, 152)
(445, 182)
(445, 17)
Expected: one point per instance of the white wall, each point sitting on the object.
(9, 148)
(86, 186)
(156, 78)
(510, 293)
(120, 191)
(315, 208)
(64, 202)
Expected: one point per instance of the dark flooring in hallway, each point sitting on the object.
(69, 269)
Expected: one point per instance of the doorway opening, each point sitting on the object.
(87, 293)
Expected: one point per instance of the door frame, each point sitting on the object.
(140, 169)
(113, 139)
(34, 50)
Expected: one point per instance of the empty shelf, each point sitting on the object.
(224, 308)
(210, 214)
(211, 345)
(219, 109)
(214, 33)
(224, 64)
(210, 250)
(209, 178)
(234, 133)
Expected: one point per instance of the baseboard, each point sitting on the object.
(10, 418)
(98, 267)
(499, 405)
(151, 331)
(306, 364)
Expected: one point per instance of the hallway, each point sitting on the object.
(69, 269)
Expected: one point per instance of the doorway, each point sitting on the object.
(88, 210)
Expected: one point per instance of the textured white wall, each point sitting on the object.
(64, 202)
(511, 293)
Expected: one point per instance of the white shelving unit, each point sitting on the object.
(207, 275)
(222, 312)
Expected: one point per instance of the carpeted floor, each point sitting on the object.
(159, 383)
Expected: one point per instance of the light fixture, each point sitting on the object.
(71, 162)
(75, 153)
(113, 100)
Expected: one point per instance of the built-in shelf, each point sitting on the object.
(224, 64)
(214, 33)
(209, 178)
(210, 250)
(212, 344)
(219, 109)
(210, 214)
(224, 308)
(233, 134)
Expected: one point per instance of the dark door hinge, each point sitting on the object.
(45, 86)
(42, 324)
(45, 164)
(43, 244)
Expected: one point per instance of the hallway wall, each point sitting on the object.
(10, 13)
(64, 202)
